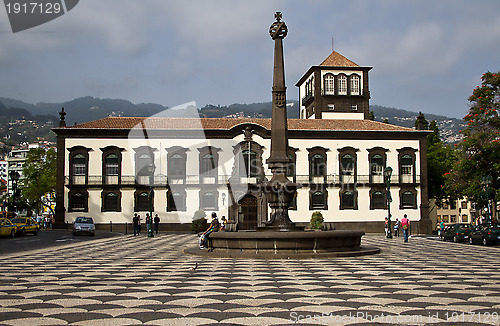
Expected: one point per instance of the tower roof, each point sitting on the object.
(336, 59)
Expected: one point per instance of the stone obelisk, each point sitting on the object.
(279, 190)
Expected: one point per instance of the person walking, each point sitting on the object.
(405, 224)
(396, 228)
(135, 221)
(386, 226)
(157, 223)
(441, 228)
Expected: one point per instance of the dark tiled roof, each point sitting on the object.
(336, 59)
(229, 123)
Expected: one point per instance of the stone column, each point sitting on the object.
(279, 190)
(61, 150)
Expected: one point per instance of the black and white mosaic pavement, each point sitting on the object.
(130, 280)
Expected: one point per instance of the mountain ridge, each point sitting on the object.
(88, 108)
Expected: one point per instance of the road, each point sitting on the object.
(46, 239)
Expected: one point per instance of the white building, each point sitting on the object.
(15, 163)
(338, 157)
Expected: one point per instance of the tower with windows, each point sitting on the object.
(336, 89)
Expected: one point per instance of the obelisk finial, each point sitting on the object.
(278, 29)
(278, 16)
(62, 122)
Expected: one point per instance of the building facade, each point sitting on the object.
(114, 167)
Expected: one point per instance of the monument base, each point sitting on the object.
(285, 245)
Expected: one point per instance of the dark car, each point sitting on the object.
(457, 232)
(485, 234)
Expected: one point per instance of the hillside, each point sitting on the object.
(89, 108)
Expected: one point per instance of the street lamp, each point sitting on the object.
(486, 183)
(387, 180)
(151, 170)
(14, 177)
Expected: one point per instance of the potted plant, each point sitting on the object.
(200, 222)
(316, 222)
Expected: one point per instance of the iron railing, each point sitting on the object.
(163, 180)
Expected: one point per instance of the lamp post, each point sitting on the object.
(151, 169)
(14, 177)
(486, 183)
(387, 180)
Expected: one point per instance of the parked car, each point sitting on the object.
(7, 227)
(457, 232)
(485, 234)
(26, 225)
(84, 225)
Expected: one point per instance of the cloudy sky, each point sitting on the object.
(426, 55)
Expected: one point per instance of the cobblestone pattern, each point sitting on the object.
(131, 280)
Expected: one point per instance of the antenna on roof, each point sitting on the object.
(332, 43)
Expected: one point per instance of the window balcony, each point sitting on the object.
(307, 98)
(303, 180)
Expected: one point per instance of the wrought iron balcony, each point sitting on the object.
(306, 98)
(164, 180)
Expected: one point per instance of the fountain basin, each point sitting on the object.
(283, 245)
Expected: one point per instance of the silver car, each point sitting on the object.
(84, 225)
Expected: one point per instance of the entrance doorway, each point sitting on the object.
(247, 213)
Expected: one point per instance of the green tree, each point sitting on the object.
(479, 151)
(371, 116)
(440, 160)
(39, 177)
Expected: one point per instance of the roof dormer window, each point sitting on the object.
(329, 84)
(355, 85)
(342, 85)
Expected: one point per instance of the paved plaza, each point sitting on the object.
(127, 280)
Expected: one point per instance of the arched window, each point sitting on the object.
(348, 200)
(355, 85)
(408, 200)
(143, 161)
(250, 164)
(143, 202)
(342, 85)
(347, 164)
(78, 201)
(144, 165)
(177, 165)
(378, 200)
(406, 168)
(208, 165)
(377, 169)
(111, 168)
(317, 165)
(208, 200)
(318, 200)
(329, 84)
(79, 169)
(111, 201)
(176, 201)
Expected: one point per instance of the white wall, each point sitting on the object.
(226, 159)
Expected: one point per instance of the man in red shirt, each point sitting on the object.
(405, 224)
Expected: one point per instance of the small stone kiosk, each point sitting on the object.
(280, 237)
